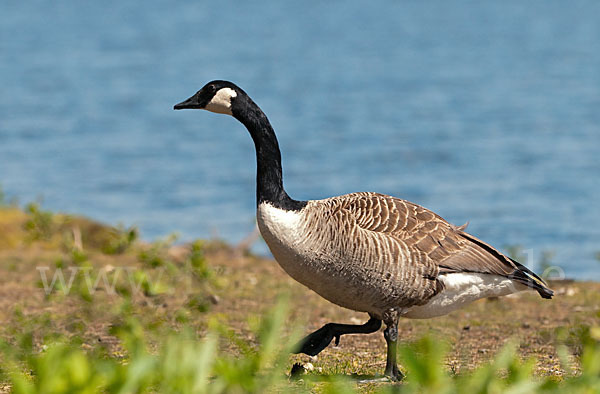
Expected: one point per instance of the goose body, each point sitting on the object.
(368, 252)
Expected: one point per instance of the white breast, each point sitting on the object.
(277, 225)
(461, 289)
(282, 231)
(287, 233)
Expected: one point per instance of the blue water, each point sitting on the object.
(487, 112)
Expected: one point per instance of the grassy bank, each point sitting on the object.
(88, 307)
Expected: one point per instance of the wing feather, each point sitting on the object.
(432, 240)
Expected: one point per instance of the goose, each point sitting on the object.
(366, 251)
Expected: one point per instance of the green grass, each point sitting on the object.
(185, 363)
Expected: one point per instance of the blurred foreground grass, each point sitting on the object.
(186, 364)
(90, 308)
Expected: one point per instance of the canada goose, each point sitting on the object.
(367, 252)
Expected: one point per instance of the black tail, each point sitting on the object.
(527, 277)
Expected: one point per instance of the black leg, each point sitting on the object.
(314, 343)
(391, 338)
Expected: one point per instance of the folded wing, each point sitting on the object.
(429, 237)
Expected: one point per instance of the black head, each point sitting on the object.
(215, 96)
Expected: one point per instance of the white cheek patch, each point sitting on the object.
(221, 101)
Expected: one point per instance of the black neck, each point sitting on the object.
(269, 177)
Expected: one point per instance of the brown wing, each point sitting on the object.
(427, 235)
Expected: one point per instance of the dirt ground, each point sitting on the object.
(473, 334)
(241, 287)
